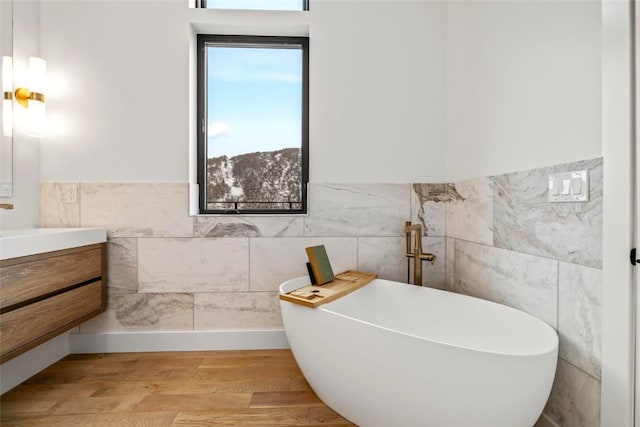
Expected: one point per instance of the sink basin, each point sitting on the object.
(31, 241)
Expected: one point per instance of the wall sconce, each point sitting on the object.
(32, 97)
(7, 96)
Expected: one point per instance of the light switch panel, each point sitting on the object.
(569, 186)
(554, 186)
(6, 189)
(70, 194)
(576, 185)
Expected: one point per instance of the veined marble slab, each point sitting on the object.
(383, 256)
(434, 275)
(237, 310)
(575, 398)
(580, 316)
(143, 312)
(122, 264)
(193, 265)
(470, 212)
(545, 421)
(526, 222)
(275, 260)
(386, 257)
(429, 207)
(254, 226)
(137, 209)
(525, 282)
(450, 264)
(371, 210)
(54, 212)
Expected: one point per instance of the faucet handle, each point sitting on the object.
(408, 227)
(429, 257)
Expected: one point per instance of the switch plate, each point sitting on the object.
(70, 194)
(576, 185)
(569, 187)
(554, 186)
(6, 189)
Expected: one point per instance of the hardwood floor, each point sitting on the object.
(218, 388)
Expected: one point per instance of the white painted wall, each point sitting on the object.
(118, 102)
(378, 91)
(523, 85)
(401, 91)
(26, 150)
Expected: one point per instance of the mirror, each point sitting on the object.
(6, 146)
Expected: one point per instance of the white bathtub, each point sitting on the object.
(396, 355)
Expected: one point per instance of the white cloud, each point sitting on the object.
(218, 129)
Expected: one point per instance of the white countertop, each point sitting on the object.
(31, 241)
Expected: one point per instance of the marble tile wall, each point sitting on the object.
(54, 211)
(170, 271)
(193, 265)
(506, 243)
(525, 222)
(357, 209)
(522, 281)
(470, 216)
(495, 237)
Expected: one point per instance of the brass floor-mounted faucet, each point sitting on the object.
(416, 253)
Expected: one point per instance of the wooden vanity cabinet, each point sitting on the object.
(44, 295)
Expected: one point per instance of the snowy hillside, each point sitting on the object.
(272, 178)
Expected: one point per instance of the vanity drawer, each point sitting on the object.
(33, 324)
(32, 277)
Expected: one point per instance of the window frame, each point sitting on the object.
(202, 4)
(203, 40)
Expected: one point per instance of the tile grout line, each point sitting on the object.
(358, 253)
(525, 253)
(558, 301)
(79, 204)
(493, 210)
(579, 369)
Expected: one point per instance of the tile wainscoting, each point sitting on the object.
(495, 237)
(506, 243)
(169, 271)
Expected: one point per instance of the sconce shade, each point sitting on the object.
(32, 97)
(37, 76)
(36, 119)
(7, 96)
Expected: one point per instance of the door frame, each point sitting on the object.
(618, 292)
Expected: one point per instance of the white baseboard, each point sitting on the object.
(22, 367)
(124, 342)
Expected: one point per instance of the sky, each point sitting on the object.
(254, 99)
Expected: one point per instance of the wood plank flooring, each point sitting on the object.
(217, 388)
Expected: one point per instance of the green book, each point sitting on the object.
(320, 264)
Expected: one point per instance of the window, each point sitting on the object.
(253, 115)
(254, 4)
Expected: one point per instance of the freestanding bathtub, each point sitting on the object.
(396, 355)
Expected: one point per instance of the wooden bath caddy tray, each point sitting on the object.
(343, 284)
